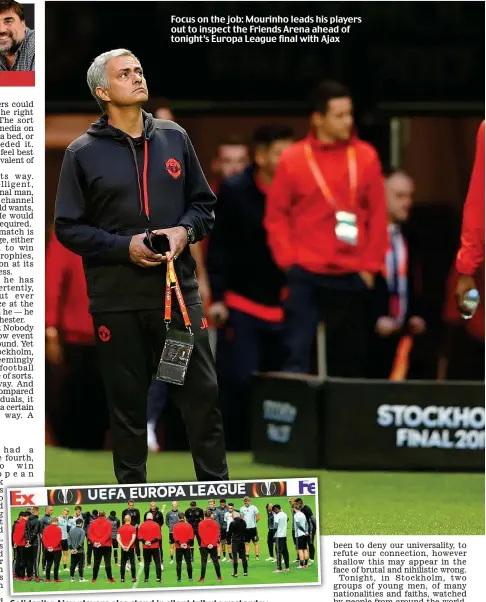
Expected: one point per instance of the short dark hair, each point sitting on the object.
(277, 506)
(192, 504)
(222, 501)
(79, 521)
(77, 508)
(113, 513)
(6, 5)
(130, 502)
(94, 512)
(231, 504)
(266, 135)
(325, 91)
(181, 515)
(232, 140)
(208, 513)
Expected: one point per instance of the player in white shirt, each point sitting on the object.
(301, 531)
(228, 517)
(280, 522)
(251, 516)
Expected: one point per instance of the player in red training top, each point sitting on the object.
(471, 253)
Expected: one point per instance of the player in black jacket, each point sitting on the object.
(126, 174)
(194, 515)
(157, 515)
(311, 521)
(236, 535)
(33, 544)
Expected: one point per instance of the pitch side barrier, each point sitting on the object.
(309, 422)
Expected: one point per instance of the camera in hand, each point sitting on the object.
(156, 243)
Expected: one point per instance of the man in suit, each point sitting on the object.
(392, 303)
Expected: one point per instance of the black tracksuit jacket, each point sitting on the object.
(239, 259)
(112, 187)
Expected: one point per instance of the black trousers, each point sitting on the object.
(53, 558)
(245, 345)
(128, 557)
(185, 554)
(282, 552)
(32, 557)
(77, 560)
(381, 355)
(238, 550)
(90, 552)
(213, 552)
(341, 303)
(148, 556)
(103, 552)
(312, 534)
(126, 363)
(20, 564)
(271, 541)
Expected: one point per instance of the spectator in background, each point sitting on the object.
(326, 224)
(471, 253)
(163, 111)
(17, 42)
(393, 305)
(232, 156)
(70, 350)
(246, 284)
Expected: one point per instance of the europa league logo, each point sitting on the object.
(270, 487)
(64, 496)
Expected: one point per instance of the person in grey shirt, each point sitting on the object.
(171, 519)
(17, 42)
(76, 538)
(280, 523)
(301, 530)
(63, 522)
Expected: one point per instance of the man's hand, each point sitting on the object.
(210, 546)
(464, 284)
(368, 278)
(416, 325)
(54, 353)
(74, 551)
(204, 290)
(15, 545)
(177, 240)
(142, 255)
(386, 326)
(184, 545)
(97, 544)
(27, 544)
(148, 543)
(218, 312)
(48, 549)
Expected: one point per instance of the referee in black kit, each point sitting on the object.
(130, 173)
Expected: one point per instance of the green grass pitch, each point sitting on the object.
(351, 503)
(259, 572)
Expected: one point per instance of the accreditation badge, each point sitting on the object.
(175, 356)
(346, 227)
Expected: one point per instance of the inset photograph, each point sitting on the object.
(91, 539)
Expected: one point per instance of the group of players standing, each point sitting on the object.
(219, 530)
